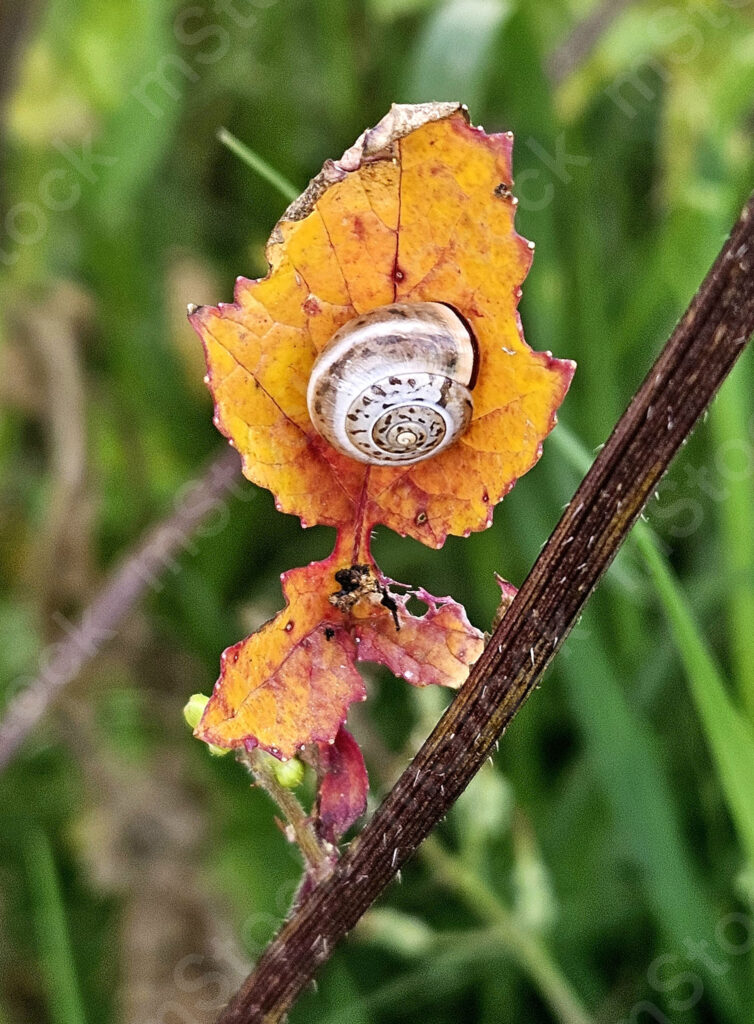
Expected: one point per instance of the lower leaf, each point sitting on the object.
(288, 687)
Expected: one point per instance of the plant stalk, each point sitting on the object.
(680, 386)
(317, 855)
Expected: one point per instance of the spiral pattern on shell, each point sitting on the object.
(392, 387)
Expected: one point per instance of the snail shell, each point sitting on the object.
(393, 386)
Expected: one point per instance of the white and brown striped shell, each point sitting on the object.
(393, 386)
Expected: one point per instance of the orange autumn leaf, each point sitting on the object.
(436, 647)
(420, 209)
(290, 684)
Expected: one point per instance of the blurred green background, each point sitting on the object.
(602, 869)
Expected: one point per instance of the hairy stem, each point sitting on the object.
(679, 387)
(317, 854)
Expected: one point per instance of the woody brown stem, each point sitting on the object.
(679, 387)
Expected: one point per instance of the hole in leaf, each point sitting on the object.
(416, 606)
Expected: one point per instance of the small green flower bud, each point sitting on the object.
(192, 713)
(288, 773)
(194, 709)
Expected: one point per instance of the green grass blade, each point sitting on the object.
(731, 422)
(287, 190)
(64, 1004)
(729, 735)
(628, 765)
